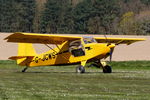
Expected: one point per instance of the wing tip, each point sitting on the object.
(8, 37)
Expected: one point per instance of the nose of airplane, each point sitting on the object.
(111, 46)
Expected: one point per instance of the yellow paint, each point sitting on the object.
(83, 62)
(26, 49)
(61, 55)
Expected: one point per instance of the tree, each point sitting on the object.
(81, 15)
(142, 21)
(57, 17)
(127, 23)
(16, 15)
(25, 14)
(6, 13)
(147, 2)
(107, 11)
(101, 11)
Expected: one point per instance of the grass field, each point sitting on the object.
(129, 81)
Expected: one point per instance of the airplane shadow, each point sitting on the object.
(37, 72)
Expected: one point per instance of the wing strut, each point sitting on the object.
(51, 48)
(119, 42)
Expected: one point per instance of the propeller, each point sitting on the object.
(111, 53)
(111, 46)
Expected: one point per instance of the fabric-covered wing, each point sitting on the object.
(39, 38)
(117, 41)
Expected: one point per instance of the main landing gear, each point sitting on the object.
(80, 69)
(106, 68)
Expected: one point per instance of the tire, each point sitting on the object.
(107, 69)
(80, 69)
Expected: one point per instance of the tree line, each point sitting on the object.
(129, 17)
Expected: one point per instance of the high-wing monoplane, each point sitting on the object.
(68, 50)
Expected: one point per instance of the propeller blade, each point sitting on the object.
(111, 46)
(111, 52)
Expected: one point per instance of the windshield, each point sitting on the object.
(89, 40)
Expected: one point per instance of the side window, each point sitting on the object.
(89, 40)
(76, 48)
(76, 43)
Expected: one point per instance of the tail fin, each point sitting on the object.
(25, 50)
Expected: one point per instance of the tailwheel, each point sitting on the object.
(24, 70)
(80, 69)
(107, 69)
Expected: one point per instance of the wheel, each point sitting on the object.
(80, 69)
(107, 69)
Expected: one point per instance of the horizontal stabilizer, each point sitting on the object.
(21, 60)
(19, 57)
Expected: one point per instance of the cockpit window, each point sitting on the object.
(76, 48)
(89, 40)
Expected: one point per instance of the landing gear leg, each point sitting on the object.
(24, 70)
(80, 68)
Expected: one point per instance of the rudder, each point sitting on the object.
(26, 49)
(25, 53)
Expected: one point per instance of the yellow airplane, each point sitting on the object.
(68, 50)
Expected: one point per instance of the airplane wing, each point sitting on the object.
(118, 41)
(39, 38)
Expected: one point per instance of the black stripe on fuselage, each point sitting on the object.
(48, 56)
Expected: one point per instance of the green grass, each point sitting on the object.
(129, 81)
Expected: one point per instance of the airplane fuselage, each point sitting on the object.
(61, 55)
